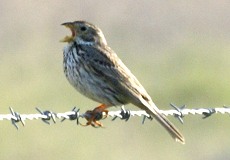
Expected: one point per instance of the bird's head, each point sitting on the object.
(84, 33)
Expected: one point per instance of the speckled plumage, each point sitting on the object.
(96, 71)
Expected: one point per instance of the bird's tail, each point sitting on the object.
(173, 131)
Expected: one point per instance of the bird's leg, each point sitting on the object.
(93, 116)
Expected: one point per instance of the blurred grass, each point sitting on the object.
(179, 51)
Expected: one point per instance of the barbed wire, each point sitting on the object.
(48, 116)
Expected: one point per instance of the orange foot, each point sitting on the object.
(92, 116)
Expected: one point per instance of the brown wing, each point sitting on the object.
(106, 63)
(110, 67)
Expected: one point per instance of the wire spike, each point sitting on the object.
(16, 118)
(125, 114)
(49, 115)
(179, 115)
(209, 112)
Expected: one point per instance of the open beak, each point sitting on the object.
(69, 39)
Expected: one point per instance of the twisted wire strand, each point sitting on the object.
(48, 116)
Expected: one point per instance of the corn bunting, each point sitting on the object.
(96, 71)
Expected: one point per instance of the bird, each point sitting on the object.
(96, 71)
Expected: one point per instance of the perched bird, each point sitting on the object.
(96, 71)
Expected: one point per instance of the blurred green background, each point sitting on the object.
(179, 50)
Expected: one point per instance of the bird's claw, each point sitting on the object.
(93, 116)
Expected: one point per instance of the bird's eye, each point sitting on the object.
(83, 28)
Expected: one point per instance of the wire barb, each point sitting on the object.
(74, 115)
(71, 116)
(180, 116)
(209, 112)
(123, 115)
(48, 116)
(16, 117)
